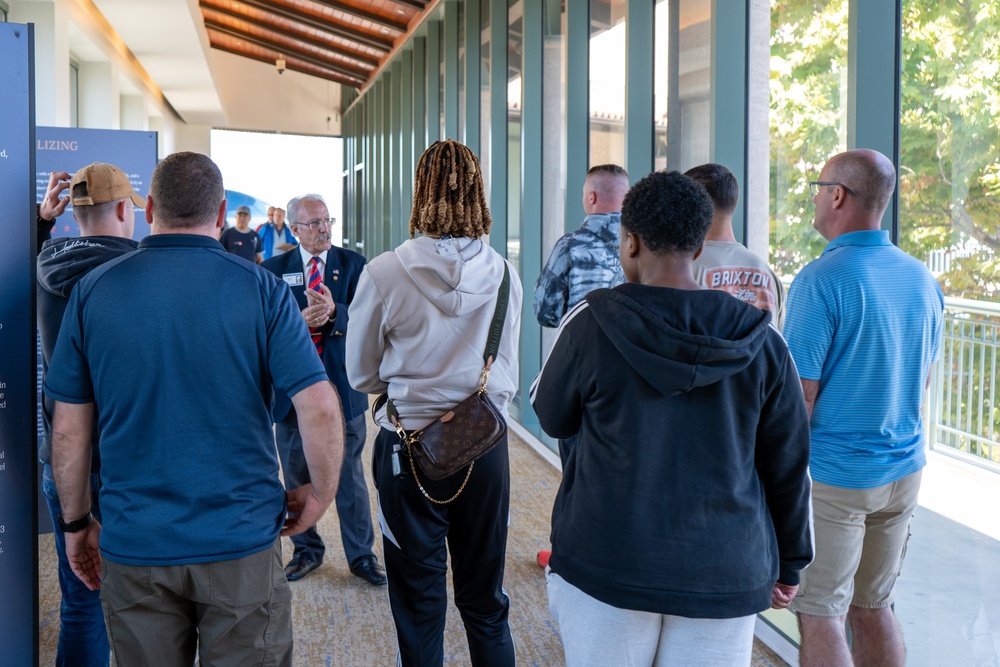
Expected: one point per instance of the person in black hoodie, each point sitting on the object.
(103, 204)
(692, 454)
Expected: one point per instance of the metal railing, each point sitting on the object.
(963, 416)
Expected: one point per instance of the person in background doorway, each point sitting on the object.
(270, 218)
(241, 240)
(276, 237)
(725, 264)
(864, 324)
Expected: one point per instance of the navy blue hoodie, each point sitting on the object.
(62, 263)
(687, 491)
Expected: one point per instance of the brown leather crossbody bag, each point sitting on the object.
(465, 433)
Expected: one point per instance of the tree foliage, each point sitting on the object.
(949, 132)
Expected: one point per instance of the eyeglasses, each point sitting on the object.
(315, 224)
(814, 187)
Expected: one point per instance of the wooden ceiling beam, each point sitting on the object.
(305, 39)
(326, 74)
(415, 4)
(363, 14)
(376, 42)
(264, 43)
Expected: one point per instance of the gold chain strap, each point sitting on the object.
(420, 486)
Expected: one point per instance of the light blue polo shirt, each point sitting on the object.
(865, 320)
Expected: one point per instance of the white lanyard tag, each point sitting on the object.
(445, 247)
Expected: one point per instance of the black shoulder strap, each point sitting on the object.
(499, 315)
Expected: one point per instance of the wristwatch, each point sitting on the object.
(76, 525)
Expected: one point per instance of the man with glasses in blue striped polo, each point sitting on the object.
(864, 326)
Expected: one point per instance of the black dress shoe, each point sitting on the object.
(299, 567)
(369, 569)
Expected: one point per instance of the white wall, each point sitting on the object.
(256, 97)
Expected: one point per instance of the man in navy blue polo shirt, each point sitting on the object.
(188, 558)
(864, 326)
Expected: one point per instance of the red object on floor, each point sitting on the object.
(543, 558)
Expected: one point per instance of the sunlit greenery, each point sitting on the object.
(949, 132)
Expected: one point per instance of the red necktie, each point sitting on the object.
(314, 282)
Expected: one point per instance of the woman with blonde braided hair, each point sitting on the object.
(420, 320)
(448, 196)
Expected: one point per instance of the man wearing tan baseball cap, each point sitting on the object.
(104, 205)
(102, 183)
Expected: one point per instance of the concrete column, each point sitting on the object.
(51, 19)
(99, 96)
(133, 113)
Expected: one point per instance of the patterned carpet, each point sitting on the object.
(342, 621)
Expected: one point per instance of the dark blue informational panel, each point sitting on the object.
(71, 148)
(18, 445)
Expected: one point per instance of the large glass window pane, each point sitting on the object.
(950, 143)
(949, 218)
(808, 124)
(808, 120)
(515, 64)
(485, 107)
(607, 81)
(461, 73)
(442, 61)
(554, 123)
(682, 83)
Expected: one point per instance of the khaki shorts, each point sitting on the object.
(861, 537)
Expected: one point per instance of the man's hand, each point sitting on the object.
(83, 550)
(53, 205)
(782, 595)
(316, 315)
(304, 510)
(323, 296)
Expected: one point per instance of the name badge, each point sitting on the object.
(293, 279)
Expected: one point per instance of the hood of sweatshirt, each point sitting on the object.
(458, 275)
(677, 340)
(62, 262)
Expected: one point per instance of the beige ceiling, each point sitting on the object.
(214, 60)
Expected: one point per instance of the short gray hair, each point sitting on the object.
(292, 210)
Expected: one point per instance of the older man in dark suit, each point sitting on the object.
(323, 280)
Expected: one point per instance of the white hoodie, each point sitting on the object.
(418, 327)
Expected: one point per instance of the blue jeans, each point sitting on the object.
(83, 639)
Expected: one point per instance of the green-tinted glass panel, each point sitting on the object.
(607, 81)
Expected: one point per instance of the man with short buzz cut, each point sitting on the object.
(323, 279)
(241, 240)
(188, 559)
(864, 325)
(724, 263)
(104, 207)
(586, 259)
(582, 261)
